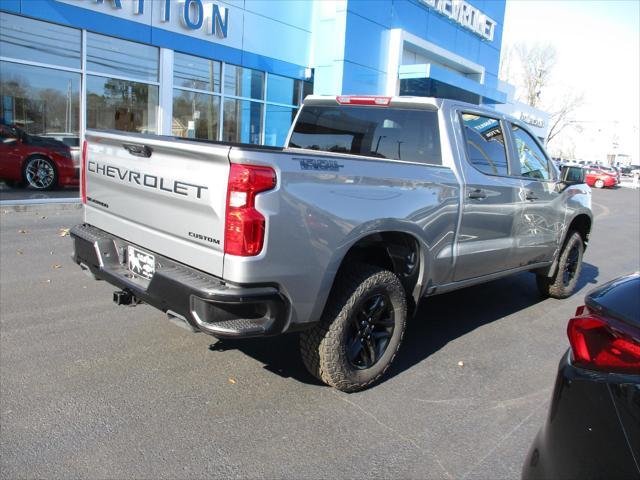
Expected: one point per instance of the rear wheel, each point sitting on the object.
(599, 183)
(360, 331)
(565, 279)
(40, 173)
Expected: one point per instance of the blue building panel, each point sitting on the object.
(467, 44)
(441, 31)
(272, 39)
(298, 14)
(410, 17)
(360, 80)
(489, 57)
(366, 43)
(12, 6)
(378, 11)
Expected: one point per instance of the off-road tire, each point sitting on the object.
(323, 347)
(556, 286)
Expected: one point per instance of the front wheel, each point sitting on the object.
(360, 332)
(565, 279)
(40, 173)
(599, 183)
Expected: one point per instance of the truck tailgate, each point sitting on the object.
(164, 195)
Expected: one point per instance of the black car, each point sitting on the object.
(593, 426)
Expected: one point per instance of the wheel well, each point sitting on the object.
(395, 251)
(582, 225)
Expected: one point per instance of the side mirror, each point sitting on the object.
(572, 175)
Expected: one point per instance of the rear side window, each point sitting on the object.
(485, 144)
(533, 163)
(410, 135)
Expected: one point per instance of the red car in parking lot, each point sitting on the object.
(39, 162)
(596, 177)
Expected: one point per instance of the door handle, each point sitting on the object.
(530, 196)
(477, 194)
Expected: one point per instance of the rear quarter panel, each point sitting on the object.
(315, 216)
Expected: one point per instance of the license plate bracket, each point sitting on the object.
(141, 263)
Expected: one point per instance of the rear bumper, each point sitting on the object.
(205, 302)
(584, 435)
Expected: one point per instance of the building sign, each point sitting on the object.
(205, 19)
(466, 15)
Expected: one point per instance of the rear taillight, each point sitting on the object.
(244, 225)
(83, 173)
(598, 343)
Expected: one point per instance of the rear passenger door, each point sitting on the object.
(492, 203)
(544, 205)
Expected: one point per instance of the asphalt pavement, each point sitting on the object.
(92, 390)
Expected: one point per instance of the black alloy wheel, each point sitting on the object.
(571, 265)
(371, 329)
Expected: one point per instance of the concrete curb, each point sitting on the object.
(39, 206)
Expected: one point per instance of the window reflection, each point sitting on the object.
(122, 58)
(283, 90)
(243, 82)
(242, 121)
(121, 105)
(195, 115)
(277, 126)
(36, 41)
(40, 100)
(196, 72)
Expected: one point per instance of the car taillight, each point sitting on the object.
(83, 173)
(244, 225)
(363, 100)
(598, 343)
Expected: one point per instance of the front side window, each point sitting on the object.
(485, 144)
(533, 162)
(397, 134)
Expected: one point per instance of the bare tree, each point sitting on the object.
(561, 117)
(536, 65)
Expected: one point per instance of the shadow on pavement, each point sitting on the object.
(438, 321)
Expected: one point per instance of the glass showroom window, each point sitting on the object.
(40, 101)
(40, 42)
(122, 84)
(278, 121)
(196, 100)
(283, 97)
(242, 121)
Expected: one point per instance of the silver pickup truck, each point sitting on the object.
(374, 203)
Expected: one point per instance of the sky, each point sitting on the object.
(598, 53)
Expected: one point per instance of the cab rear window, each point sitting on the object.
(398, 134)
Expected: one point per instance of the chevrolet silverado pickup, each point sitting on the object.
(373, 204)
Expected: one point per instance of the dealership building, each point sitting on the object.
(237, 70)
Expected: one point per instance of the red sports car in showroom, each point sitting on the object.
(39, 162)
(599, 178)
